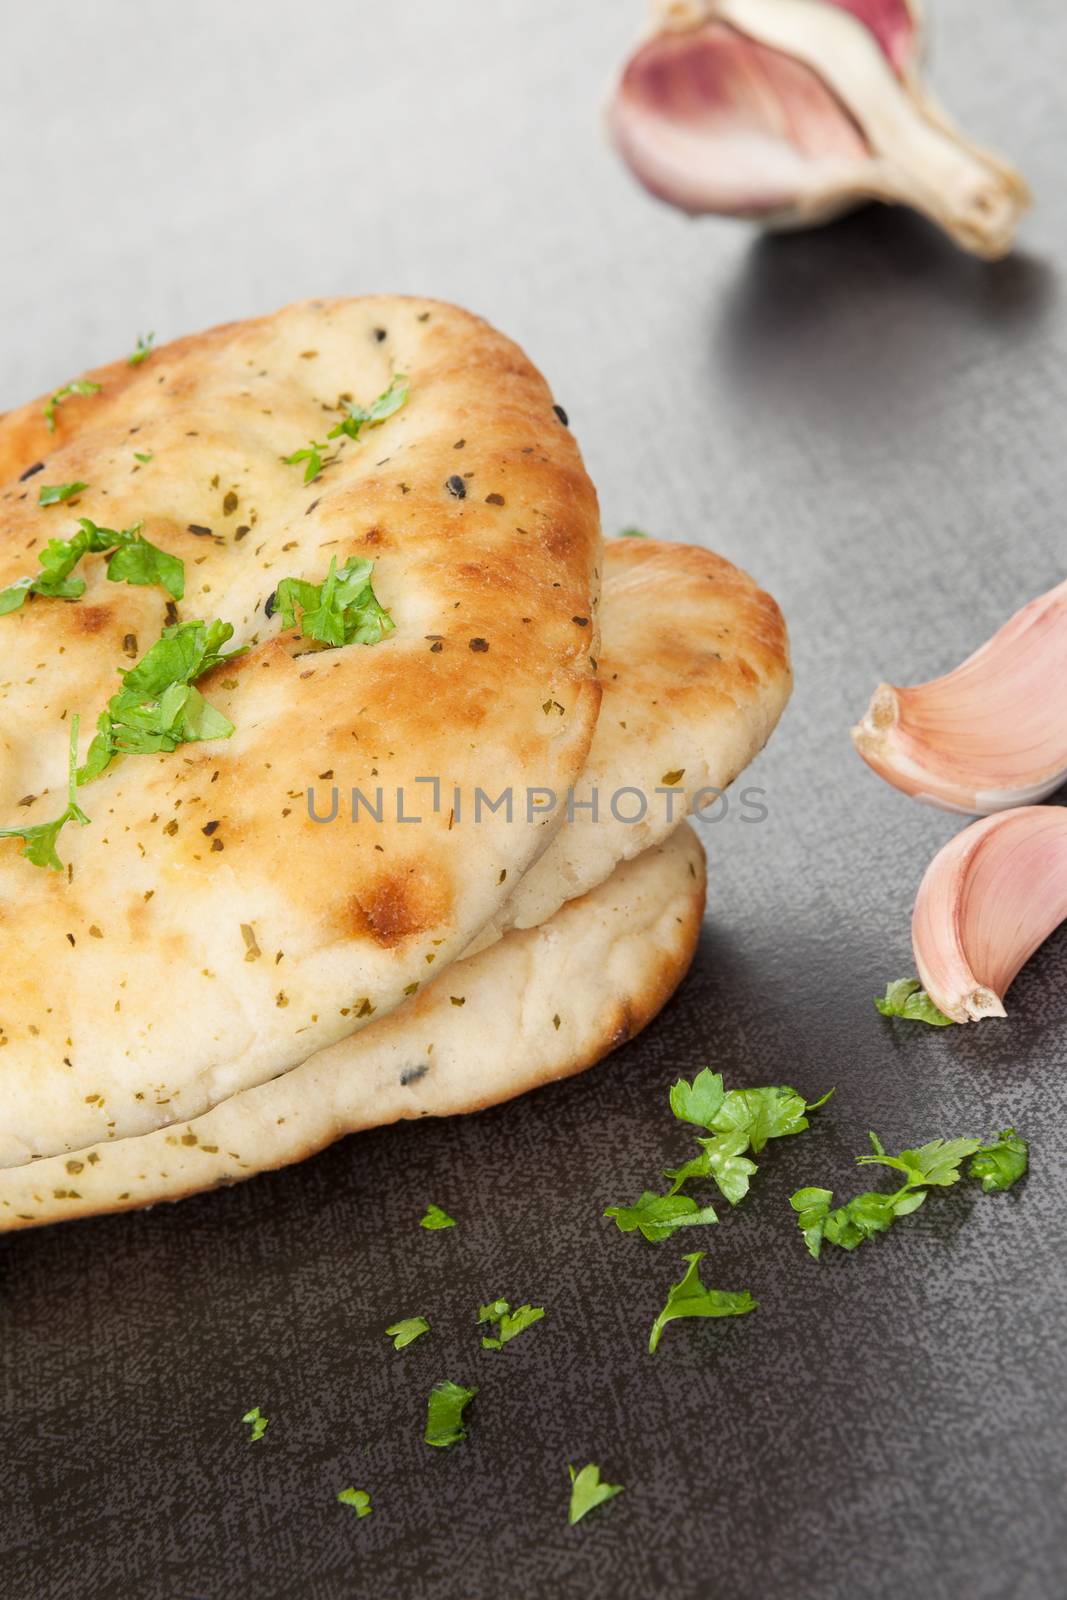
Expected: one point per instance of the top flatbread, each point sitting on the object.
(695, 667)
(207, 933)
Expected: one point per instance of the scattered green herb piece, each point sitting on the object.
(907, 998)
(259, 1424)
(509, 1323)
(632, 533)
(689, 1298)
(1000, 1162)
(407, 1330)
(343, 609)
(358, 1499)
(312, 455)
(587, 1492)
(133, 560)
(444, 1414)
(698, 1101)
(143, 350)
(933, 1165)
(53, 494)
(723, 1160)
(39, 841)
(658, 1216)
(436, 1218)
(157, 708)
(143, 456)
(360, 417)
(83, 386)
(739, 1119)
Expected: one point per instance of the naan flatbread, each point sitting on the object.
(541, 1004)
(208, 934)
(694, 664)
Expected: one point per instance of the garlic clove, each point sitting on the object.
(990, 735)
(987, 901)
(792, 111)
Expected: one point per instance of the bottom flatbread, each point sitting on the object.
(541, 1004)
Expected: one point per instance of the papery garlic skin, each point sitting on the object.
(987, 901)
(791, 111)
(988, 736)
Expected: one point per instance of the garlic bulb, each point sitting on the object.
(988, 899)
(990, 735)
(793, 111)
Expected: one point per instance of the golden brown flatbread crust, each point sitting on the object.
(131, 996)
(541, 1004)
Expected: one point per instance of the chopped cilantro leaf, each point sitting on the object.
(587, 1492)
(689, 1298)
(360, 417)
(259, 1423)
(53, 494)
(158, 708)
(1000, 1162)
(143, 456)
(312, 455)
(436, 1218)
(933, 1165)
(406, 1331)
(39, 840)
(143, 350)
(509, 1323)
(907, 998)
(657, 1216)
(343, 609)
(739, 1120)
(632, 533)
(358, 1499)
(132, 560)
(83, 386)
(444, 1414)
(700, 1100)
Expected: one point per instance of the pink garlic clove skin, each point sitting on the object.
(988, 900)
(791, 112)
(898, 27)
(988, 736)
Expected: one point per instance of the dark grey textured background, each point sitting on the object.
(874, 425)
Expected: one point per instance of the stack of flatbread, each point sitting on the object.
(241, 958)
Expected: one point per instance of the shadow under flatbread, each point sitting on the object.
(850, 315)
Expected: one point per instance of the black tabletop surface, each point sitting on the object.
(870, 422)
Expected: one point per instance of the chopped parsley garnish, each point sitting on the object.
(343, 609)
(934, 1165)
(358, 1499)
(587, 1492)
(133, 560)
(406, 1331)
(259, 1423)
(360, 417)
(689, 1298)
(436, 1218)
(509, 1324)
(1000, 1162)
(53, 494)
(907, 998)
(39, 840)
(143, 456)
(143, 350)
(312, 454)
(739, 1120)
(632, 533)
(444, 1414)
(158, 708)
(84, 386)
(658, 1216)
